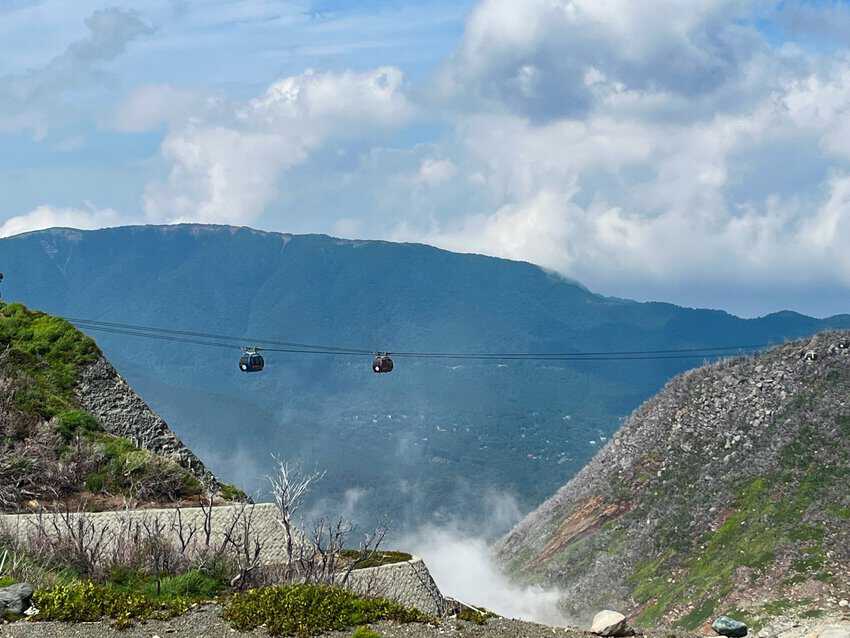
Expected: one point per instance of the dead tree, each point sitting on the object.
(289, 487)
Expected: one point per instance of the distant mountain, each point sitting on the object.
(726, 493)
(434, 440)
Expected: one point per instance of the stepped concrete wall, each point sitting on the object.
(409, 583)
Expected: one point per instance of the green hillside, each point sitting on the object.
(53, 451)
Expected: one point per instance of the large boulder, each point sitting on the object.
(611, 624)
(726, 626)
(15, 599)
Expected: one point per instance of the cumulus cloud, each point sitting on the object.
(49, 217)
(536, 57)
(34, 100)
(228, 169)
(647, 146)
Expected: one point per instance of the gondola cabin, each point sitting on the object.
(382, 363)
(251, 361)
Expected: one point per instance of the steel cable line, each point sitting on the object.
(290, 346)
(635, 356)
(111, 324)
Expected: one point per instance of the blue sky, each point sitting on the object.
(692, 151)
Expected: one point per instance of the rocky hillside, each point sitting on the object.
(725, 493)
(71, 428)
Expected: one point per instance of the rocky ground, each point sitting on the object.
(205, 621)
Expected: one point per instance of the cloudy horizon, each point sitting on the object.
(696, 152)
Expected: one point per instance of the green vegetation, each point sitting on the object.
(365, 632)
(43, 356)
(86, 601)
(72, 423)
(761, 525)
(309, 610)
(478, 616)
(47, 353)
(377, 559)
(122, 466)
(844, 425)
(232, 493)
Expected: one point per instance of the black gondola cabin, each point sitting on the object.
(251, 361)
(382, 363)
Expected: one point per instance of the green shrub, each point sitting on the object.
(124, 465)
(309, 610)
(192, 584)
(5, 581)
(74, 422)
(85, 601)
(365, 632)
(232, 493)
(95, 482)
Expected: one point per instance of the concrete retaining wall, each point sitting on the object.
(409, 583)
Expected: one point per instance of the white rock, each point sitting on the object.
(610, 623)
(835, 631)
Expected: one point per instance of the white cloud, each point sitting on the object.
(435, 171)
(36, 99)
(228, 169)
(678, 165)
(50, 217)
(153, 106)
(534, 56)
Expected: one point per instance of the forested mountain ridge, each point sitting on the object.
(724, 493)
(423, 442)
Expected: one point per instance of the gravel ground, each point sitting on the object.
(206, 622)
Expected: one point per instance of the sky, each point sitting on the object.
(690, 151)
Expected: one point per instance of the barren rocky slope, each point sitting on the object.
(726, 492)
(71, 428)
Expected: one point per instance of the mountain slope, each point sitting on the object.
(727, 490)
(71, 428)
(434, 439)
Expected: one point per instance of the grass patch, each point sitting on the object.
(46, 353)
(309, 610)
(479, 617)
(365, 632)
(378, 559)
